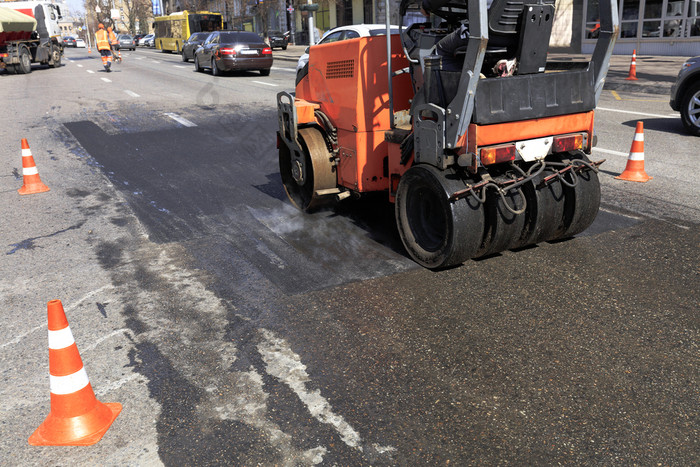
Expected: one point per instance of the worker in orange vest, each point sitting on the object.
(102, 42)
(115, 44)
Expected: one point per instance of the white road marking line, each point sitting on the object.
(106, 80)
(181, 120)
(139, 58)
(634, 113)
(107, 388)
(155, 61)
(181, 66)
(90, 71)
(266, 84)
(79, 65)
(282, 363)
(289, 70)
(610, 151)
(92, 346)
(131, 93)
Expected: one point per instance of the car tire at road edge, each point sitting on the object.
(214, 69)
(184, 57)
(196, 64)
(691, 99)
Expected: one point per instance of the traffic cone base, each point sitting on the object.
(76, 418)
(634, 170)
(84, 430)
(31, 181)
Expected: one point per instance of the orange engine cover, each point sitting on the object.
(348, 80)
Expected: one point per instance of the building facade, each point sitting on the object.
(660, 27)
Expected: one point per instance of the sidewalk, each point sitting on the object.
(655, 74)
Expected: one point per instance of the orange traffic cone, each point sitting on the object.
(634, 171)
(32, 181)
(632, 76)
(77, 418)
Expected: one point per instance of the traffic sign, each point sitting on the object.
(290, 9)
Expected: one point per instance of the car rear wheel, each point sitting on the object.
(214, 69)
(265, 72)
(184, 57)
(690, 109)
(196, 64)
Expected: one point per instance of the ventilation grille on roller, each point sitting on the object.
(340, 69)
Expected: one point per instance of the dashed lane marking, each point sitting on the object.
(616, 95)
(90, 71)
(181, 120)
(131, 93)
(610, 151)
(79, 65)
(633, 113)
(181, 66)
(106, 80)
(266, 84)
(156, 61)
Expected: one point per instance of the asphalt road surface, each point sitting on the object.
(236, 330)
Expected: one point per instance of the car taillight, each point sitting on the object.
(227, 51)
(497, 154)
(568, 143)
(267, 51)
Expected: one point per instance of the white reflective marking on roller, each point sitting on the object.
(62, 385)
(636, 156)
(29, 170)
(60, 339)
(26, 152)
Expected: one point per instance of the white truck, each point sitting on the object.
(29, 33)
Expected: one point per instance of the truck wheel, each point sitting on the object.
(11, 70)
(436, 232)
(55, 61)
(690, 109)
(25, 61)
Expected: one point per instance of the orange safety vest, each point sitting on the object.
(113, 38)
(102, 40)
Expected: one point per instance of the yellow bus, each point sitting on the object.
(173, 30)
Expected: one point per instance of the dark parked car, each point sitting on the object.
(685, 95)
(233, 50)
(191, 44)
(126, 42)
(69, 41)
(278, 39)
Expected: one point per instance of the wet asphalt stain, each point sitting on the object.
(102, 307)
(28, 244)
(109, 254)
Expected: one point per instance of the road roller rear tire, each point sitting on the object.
(503, 228)
(320, 173)
(582, 201)
(437, 233)
(545, 209)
